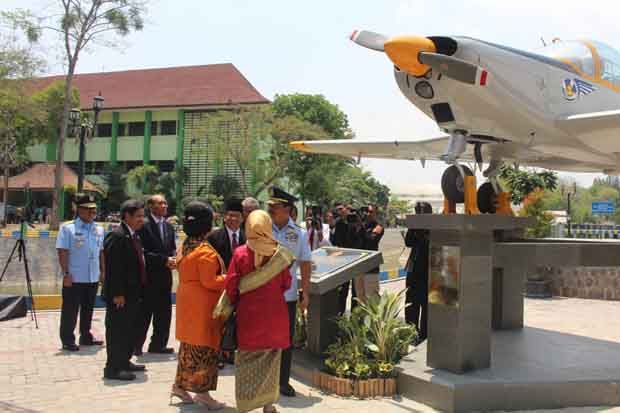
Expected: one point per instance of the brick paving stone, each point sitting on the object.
(36, 376)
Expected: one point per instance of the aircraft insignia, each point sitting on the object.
(572, 89)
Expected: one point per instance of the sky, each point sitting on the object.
(290, 46)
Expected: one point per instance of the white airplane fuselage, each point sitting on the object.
(524, 96)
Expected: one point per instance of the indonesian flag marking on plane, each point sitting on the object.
(482, 77)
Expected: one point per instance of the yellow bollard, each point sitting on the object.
(503, 204)
(449, 207)
(471, 197)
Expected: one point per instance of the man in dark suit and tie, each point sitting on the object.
(158, 240)
(125, 277)
(226, 239)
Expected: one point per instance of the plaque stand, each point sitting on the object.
(461, 284)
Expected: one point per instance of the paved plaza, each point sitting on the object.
(35, 376)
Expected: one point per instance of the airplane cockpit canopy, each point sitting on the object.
(575, 53)
(593, 60)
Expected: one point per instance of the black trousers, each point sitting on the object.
(80, 297)
(287, 355)
(416, 313)
(156, 305)
(343, 294)
(119, 335)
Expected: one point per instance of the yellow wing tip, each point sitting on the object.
(299, 146)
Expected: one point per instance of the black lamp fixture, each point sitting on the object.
(83, 129)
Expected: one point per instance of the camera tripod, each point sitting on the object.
(20, 248)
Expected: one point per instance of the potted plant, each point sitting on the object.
(373, 340)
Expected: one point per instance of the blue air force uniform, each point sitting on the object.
(84, 244)
(295, 239)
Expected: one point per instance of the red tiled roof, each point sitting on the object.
(40, 177)
(217, 84)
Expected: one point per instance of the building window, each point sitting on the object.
(154, 128)
(165, 166)
(168, 127)
(104, 130)
(136, 129)
(122, 129)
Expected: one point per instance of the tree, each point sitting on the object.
(21, 117)
(258, 142)
(114, 177)
(82, 23)
(316, 110)
(523, 182)
(225, 186)
(533, 206)
(142, 180)
(396, 209)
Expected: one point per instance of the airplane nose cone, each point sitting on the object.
(404, 50)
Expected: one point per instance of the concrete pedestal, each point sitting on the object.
(466, 296)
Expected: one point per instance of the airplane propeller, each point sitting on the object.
(369, 40)
(416, 55)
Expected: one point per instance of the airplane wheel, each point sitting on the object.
(487, 198)
(452, 184)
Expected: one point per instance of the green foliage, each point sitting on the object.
(52, 98)
(115, 180)
(372, 340)
(397, 208)
(533, 206)
(225, 186)
(522, 182)
(315, 109)
(142, 180)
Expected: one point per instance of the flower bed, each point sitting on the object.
(372, 341)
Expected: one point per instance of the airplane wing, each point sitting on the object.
(430, 149)
(587, 123)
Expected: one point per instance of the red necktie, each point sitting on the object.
(138, 247)
(235, 241)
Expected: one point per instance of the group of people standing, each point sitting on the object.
(242, 263)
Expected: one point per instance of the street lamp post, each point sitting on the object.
(81, 130)
(569, 191)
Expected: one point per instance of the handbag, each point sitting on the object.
(229, 335)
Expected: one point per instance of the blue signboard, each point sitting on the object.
(603, 208)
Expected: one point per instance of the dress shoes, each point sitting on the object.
(135, 367)
(119, 375)
(165, 350)
(91, 343)
(287, 391)
(71, 347)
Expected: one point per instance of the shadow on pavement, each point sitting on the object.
(13, 408)
(299, 402)
(140, 378)
(156, 358)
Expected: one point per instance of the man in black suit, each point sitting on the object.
(158, 240)
(125, 277)
(226, 239)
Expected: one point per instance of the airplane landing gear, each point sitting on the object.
(453, 183)
(487, 198)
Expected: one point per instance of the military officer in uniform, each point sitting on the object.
(295, 238)
(80, 255)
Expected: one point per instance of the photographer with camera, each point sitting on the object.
(368, 284)
(349, 233)
(318, 233)
(416, 301)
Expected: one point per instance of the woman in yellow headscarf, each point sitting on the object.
(257, 278)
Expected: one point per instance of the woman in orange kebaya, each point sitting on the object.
(201, 282)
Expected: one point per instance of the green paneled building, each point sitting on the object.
(156, 116)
